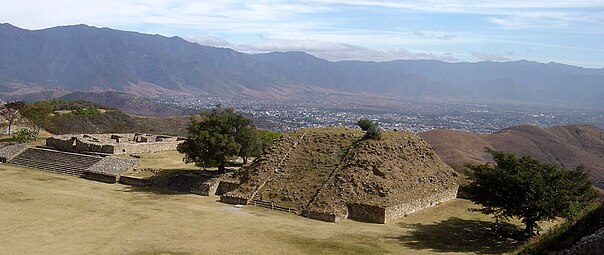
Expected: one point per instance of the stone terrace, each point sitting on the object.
(55, 161)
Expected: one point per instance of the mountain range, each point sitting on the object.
(85, 58)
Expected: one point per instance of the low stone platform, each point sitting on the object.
(105, 169)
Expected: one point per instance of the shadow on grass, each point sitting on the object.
(457, 235)
(174, 182)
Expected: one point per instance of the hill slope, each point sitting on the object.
(567, 146)
(129, 103)
(84, 58)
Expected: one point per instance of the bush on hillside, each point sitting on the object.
(374, 132)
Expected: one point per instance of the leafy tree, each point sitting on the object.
(247, 137)
(10, 112)
(267, 138)
(38, 114)
(220, 136)
(25, 135)
(528, 189)
(365, 124)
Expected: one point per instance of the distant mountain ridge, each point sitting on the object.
(84, 58)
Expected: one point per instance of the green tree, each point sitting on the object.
(247, 137)
(365, 124)
(24, 135)
(38, 114)
(218, 137)
(267, 138)
(10, 113)
(528, 189)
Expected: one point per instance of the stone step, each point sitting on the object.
(56, 170)
(49, 153)
(47, 165)
(55, 161)
(50, 164)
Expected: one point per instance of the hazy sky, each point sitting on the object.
(569, 31)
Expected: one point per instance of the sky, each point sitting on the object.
(569, 31)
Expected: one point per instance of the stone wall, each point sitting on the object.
(207, 188)
(95, 176)
(404, 209)
(233, 199)
(367, 213)
(143, 147)
(114, 143)
(134, 181)
(377, 214)
(325, 216)
(226, 186)
(63, 143)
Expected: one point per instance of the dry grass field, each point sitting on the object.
(47, 213)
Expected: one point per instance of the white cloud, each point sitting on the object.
(489, 57)
(229, 13)
(326, 29)
(327, 50)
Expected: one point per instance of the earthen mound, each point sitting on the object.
(331, 174)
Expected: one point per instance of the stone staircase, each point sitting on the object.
(55, 161)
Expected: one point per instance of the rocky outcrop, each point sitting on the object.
(589, 245)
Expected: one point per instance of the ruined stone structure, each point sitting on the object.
(334, 174)
(114, 143)
(94, 167)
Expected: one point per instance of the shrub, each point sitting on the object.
(24, 135)
(365, 124)
(373, 132)
(86, 111)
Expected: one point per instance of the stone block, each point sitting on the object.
(100, 177)
(233, 199)
(110, 149)
(207, 188)
(226, 186)
(324, 216)
(367, 213)
(135, 181)
(95, 147)
(82, 145)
